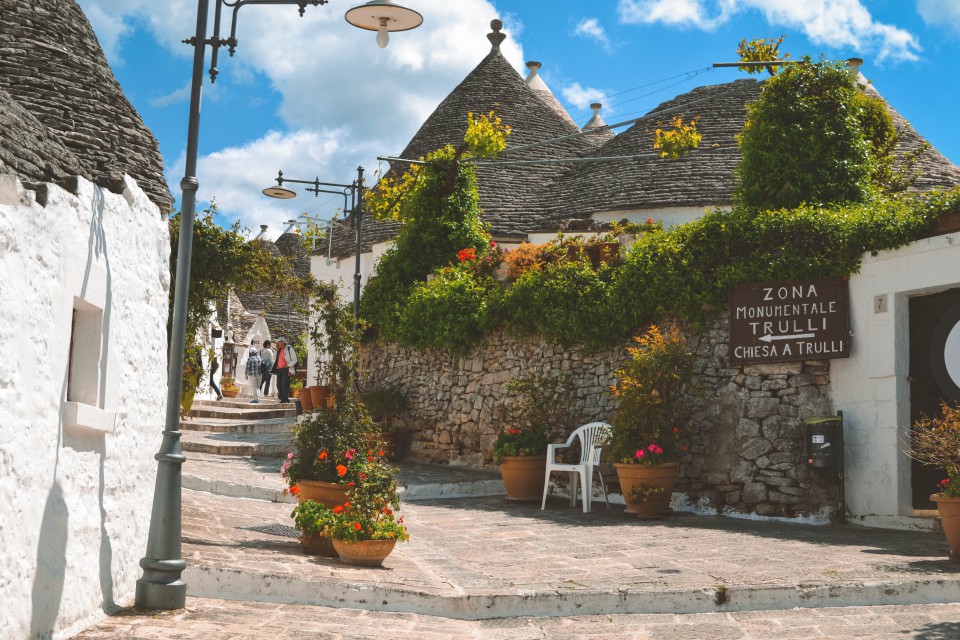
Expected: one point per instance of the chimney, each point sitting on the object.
(533, 79)
(263, 232)
(534, 68)
(292, 228)
(853, 64)
(496, 37)
(595, 120)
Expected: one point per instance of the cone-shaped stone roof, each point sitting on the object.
(53, 68)
(705, 176)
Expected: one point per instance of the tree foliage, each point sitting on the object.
(439, 205)
(761, 50)
(803, 140)
(224, 260)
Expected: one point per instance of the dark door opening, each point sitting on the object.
(932, 321)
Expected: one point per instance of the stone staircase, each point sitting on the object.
(236, 427)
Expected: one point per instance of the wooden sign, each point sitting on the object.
(784, 321)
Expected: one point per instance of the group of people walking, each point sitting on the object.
(262, 365)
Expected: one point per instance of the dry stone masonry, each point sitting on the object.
(746, 432)
(62, 112)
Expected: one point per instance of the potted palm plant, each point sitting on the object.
(936, 441)
(645, 443)
(538, 410)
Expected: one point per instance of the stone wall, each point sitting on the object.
(745, 430)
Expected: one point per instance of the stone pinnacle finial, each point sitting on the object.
(496, 37)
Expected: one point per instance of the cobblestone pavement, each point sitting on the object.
(481, 567)
(211, 619)
(490, 547)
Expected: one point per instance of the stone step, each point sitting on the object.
(237, 444)
(240, 414)
(221, 425)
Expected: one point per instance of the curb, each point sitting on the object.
(411, 493)
(232, 584)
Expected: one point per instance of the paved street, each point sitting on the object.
(211, 619)
(480, 567)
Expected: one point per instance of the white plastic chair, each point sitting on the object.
(591, 437)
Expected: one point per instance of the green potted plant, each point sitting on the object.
(936, 441)
(364, 527)
(645, 443)
(385, 404)
(538, 410)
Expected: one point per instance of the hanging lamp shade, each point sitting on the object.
(279, 192)
(383, 16)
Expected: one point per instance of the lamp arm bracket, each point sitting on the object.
(216, 41)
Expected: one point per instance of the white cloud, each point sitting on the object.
(581, 96)
(236, 175)
(836, 23)
(942, 13)
(342, 100)
(591, 28)
(174, 97)
(681, 13)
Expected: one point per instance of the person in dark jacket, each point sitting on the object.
(214, 367)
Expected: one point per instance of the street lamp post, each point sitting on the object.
(356, 191)
(162, 586)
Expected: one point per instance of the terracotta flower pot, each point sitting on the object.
(329, 494)
(364, 553)
(949, 509)
(523, 477)
(305, 400)
(647, 489)
(316, 397)
(317, 545)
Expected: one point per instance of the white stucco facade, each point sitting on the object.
(872, 388)
(84, 280)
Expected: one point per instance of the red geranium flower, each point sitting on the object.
(341, 470)
(338, 509)
(295, 490)
(322, 455)
(356, 525)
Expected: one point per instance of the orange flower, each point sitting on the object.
(381, 453)
(295, 490)
(369, 458)
(341, 470)
(337, 509)
(356, 526)
(323, 455)
(346, 505)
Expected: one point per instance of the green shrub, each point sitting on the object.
(564, 302)
(803, 142)
(452, 311)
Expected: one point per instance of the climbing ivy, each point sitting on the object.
(683, 272)
(439, 205)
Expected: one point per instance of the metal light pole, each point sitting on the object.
(161, 586)
(355, 190)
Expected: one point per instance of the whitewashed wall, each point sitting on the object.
(871, 387)
(77, 478)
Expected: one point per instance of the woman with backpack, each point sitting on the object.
(254, 371)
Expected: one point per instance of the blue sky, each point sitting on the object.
(316, 97)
